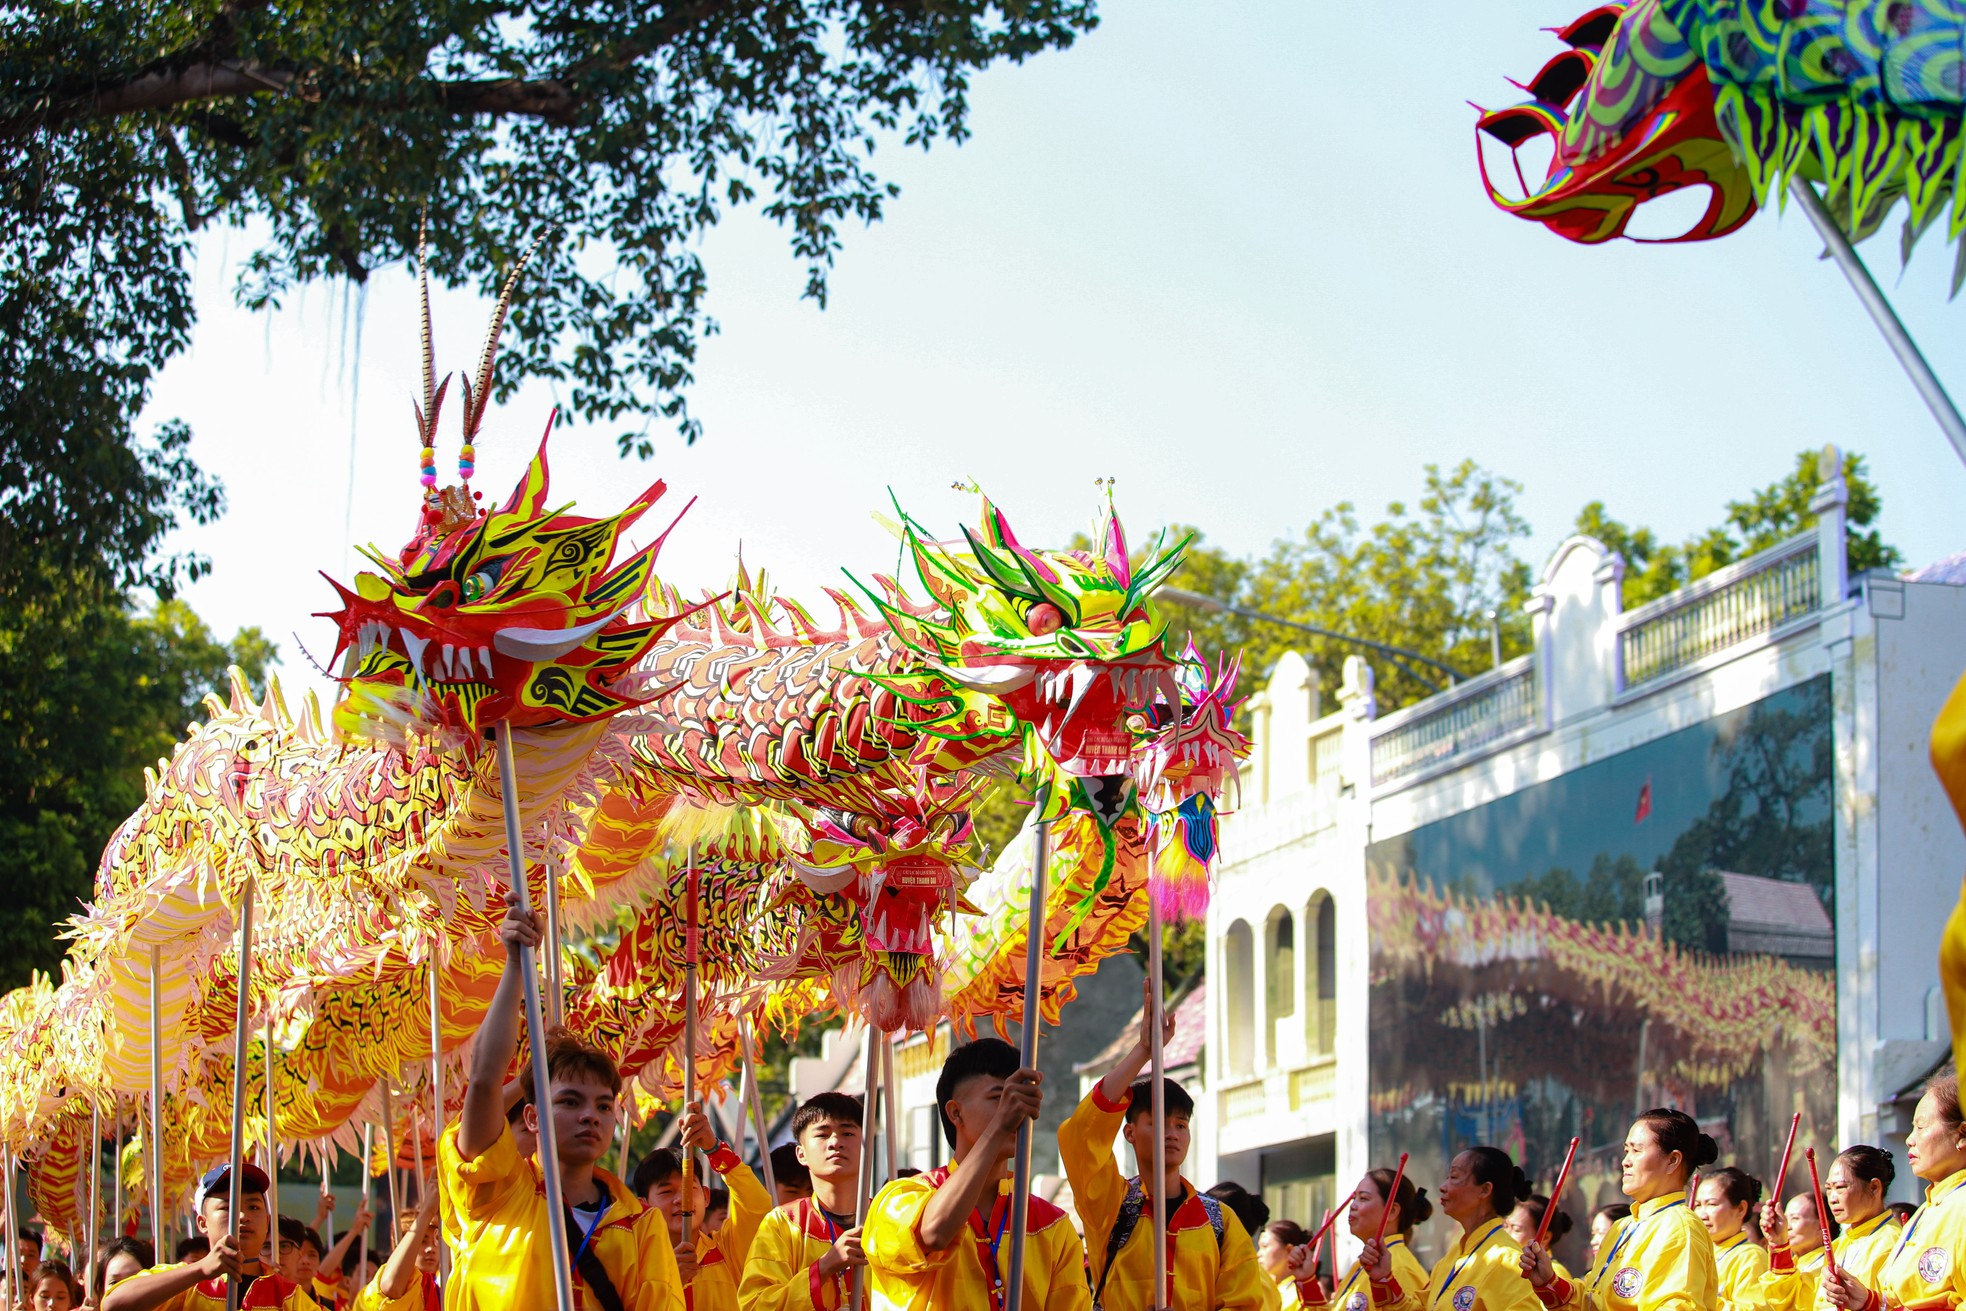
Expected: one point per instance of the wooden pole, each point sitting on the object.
(234, 1290)
(156, 1134)
(1027, 1042)
(754, 1100)
(1157, 1067)
(549, 1147)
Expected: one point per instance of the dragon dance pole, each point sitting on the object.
(555, 998)
(890, 1109)
(549, 1147)
(1027, 1043)
(95, 1185)
(368, 1179)
(156, 1134)
(116, 1172)
(272, 1140)
(16, 1277)
(416, 1136)
(864, 1188)
(754, 1100)
(1157, 1004)
(389, 1161)
(1927, 383)
(690, 945)
(234, 1290)
(436, 1098)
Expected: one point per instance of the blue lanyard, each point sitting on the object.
(1916, 1217)
(1626, 1236)
(1462, 1263)
(592, 1229)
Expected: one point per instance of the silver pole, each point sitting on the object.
(368, 1181)
(272, 1144)
(16, 1277)
(95, 1190)
(234, 1290)
(555, 998)
(1927, 383)
(416, 1136)
(389, 1162)
(754, 1098)
(437, 1095)
(1157, 1072)
(690, 1182)
(549, 1147)
(890, 1108)
(156, 1134)
(116, 1169)
(1027, 1055)
(864, 1188)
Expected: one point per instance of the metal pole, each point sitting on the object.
(437, 1095)
(556, 995)
(272, 1144)
(1927, 383)
(327, 1235)
(116, 1170)
(1027, 1055)
(1157, 1004)
(156, 1134)
(549, 1147)
(755, 1099)
(416, 1136)
(16, 1280)
(690, 1183)
(627, 1137)
(368, 1182)
(95, 1190)
(890, 1108)
(234, 1290)
(389, 1161)
(864, 1188)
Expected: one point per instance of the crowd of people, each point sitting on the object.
(1689, 1238)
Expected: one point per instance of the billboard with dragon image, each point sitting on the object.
(1655, 928)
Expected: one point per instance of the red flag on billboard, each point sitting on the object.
(1644, 802)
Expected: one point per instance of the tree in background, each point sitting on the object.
(91, 692)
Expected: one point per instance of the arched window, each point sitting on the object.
(1239, 1005)
(1279, 977)
(1321, 1014)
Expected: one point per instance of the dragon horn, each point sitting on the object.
(429, 415)
(476, 397)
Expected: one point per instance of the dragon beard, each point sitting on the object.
(902, 992)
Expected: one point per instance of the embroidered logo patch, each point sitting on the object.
(1464, 1298)
(1626, 1282)
(1356, 1302)
(1933, 1263)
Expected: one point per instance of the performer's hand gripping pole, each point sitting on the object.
(1027, 1057)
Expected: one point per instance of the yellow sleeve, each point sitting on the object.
(749, 1205)
(371, 1298)
(1503, 1286)
(1675, 1279)
(1065, 1286)
(777, 1275)
(658, 1262)
(1085, 1147)
(892, 1237)
(1412, 1293)
(1239, 1280)
(482, 1185)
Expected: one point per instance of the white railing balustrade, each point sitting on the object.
(1750, 598)
(1480, 711)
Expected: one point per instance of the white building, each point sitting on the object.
(1376, 872)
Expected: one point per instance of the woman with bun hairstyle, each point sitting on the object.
(1275, 1242)
(1528, 1214)
(1659, 1258)
(1922, 1271)
(1795, 1255)
(1855, 1187)
(1604, 1222)
(1725, 1200)
(1482, 1272)
(1410, 1208)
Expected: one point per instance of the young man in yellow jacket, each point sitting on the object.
(1214, 1263)
(940, 1241)
(712, 1263)
(806, 1251)
(621, 1256)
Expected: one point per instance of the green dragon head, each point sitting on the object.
(1065, 646)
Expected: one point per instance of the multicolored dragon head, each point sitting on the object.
(1660, 95)
(1065, 646)
(514, 614)
(1187, 766)
(904, 866)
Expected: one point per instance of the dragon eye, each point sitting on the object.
(442, 597)
(485, 579)
(1044, 618)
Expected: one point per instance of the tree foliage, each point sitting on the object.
(91, 692)
(619, 132)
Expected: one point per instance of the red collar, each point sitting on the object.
(1042, 1214)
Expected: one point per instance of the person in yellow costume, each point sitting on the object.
(806, 1250)
(1525, 1218)
(1949, 759)
(1213, 1262)
(713, 1262)
(202, 1285)
(1858, 1182)
(1660, 1257)
(621, 1259)
(940, 1241)
(1483, 1270)
(1363, 1212)
(1923, 1270)
(408, 1279)
(1725, 1198)
(1274, 1244)
(1795, 1256)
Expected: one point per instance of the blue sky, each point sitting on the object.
(1237, 256)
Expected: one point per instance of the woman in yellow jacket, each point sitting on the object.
(1795, 1256)
(1275, 1242)
(1923, 1270)
(1725, 1199)
(1528, 1214)
(1660, 1257)
(1856, 1187)
(1362, 1218)
(1481, 1272)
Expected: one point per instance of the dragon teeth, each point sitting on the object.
(415, 647)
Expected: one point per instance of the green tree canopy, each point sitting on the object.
(625, 131)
